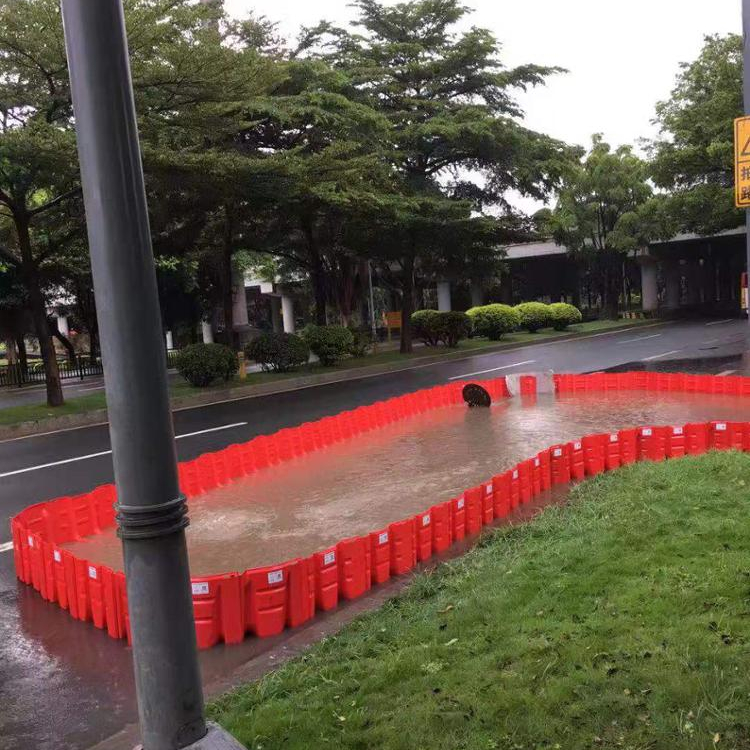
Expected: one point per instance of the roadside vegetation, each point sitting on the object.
(616, 621)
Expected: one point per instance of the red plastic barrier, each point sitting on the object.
(528, 385)
(217, 606)
(473, 510)
(727, 435)
(458, 517)
(355, 571)
(488, 503)
(536, 476)
(96, 595)
(326, 579)
(676, 441)
(380, 553)
(265, 599)
(525, 480)
(628, 446)
(403, 553)
(423, 536)
(515, 488)
(612, 451)
(501, 495)
(593, 454)
(560, 464)
(577, 460)
(696, 438)
(545, 469)
(652, 444)
(442, 533)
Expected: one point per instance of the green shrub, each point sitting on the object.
(361, 342)
(453, 326)
(494, 320)
(426, 327)
(279, 352)
(534, 315)
(201, 364)
(563, 315)
(329, 343)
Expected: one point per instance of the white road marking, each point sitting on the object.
(493, 369)
(710, 341)
(727, 372)
(663, 354)
(93, 388)
(7, 547)
(719, 322)
(641, 338)
(106, 453)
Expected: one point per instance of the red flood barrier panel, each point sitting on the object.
(264, 601)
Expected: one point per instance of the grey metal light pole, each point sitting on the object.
(152, 514)
(746, 101)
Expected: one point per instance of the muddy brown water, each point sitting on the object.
(352, 488)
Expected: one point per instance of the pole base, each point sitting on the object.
(216, 739)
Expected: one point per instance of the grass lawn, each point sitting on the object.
(618, 621)
(91, 402)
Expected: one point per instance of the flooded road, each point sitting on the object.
(361, 485)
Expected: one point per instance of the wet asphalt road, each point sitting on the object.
(63, 684)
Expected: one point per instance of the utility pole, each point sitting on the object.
(746, 105)
(151, 512)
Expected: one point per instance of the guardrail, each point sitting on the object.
(263, 601)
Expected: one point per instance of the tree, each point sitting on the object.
(449, 104)
(693, 158)
(604, 212)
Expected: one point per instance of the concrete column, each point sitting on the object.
(694, 283)
(649, 286)
(276, 321)
(444, 296)
(672, 280)
(169, 340)
(62, 325)
(287, 312)
(239, 311)
(207, 332)
(477, 294)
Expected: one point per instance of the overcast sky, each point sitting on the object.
(622, 57)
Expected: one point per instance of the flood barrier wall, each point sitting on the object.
(264, 601)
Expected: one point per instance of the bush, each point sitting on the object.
(534, 315)
(329, 343)
(201, 364)
(279, 352)
(563, 315)
(361, 342)
(494, 320)
(453, 326)
(426, 327)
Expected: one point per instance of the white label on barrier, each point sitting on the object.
(383, 538)
(425, 520)
(31, 541)
(557, 452)
(613, 437)
(92, 572)
(488, 489)
(677, 430)
(460, 503)
(646, 432)
(577, 445)
(276, 576)
(201, 587)
(56, 554)
(329, 558)
(536, 462)
(721, 427)
(515, 473)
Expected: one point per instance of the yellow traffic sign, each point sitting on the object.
(742, 162)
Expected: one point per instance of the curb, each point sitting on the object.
(181, 403)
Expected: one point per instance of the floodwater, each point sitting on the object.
(361, 485)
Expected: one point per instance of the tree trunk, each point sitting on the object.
(23, 359)
(227, 282)
(407, 305)
(38, 311)
(10, 351)
(65, 341)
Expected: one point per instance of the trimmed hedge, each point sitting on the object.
(201, 364)
(494, 320)
(534, 315)
(435, 327)
(329, 343)
(563, 315)
(361, 342)
(278, 352)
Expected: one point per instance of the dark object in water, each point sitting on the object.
(475, 395)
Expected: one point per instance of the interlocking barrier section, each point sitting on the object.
(264, 601)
